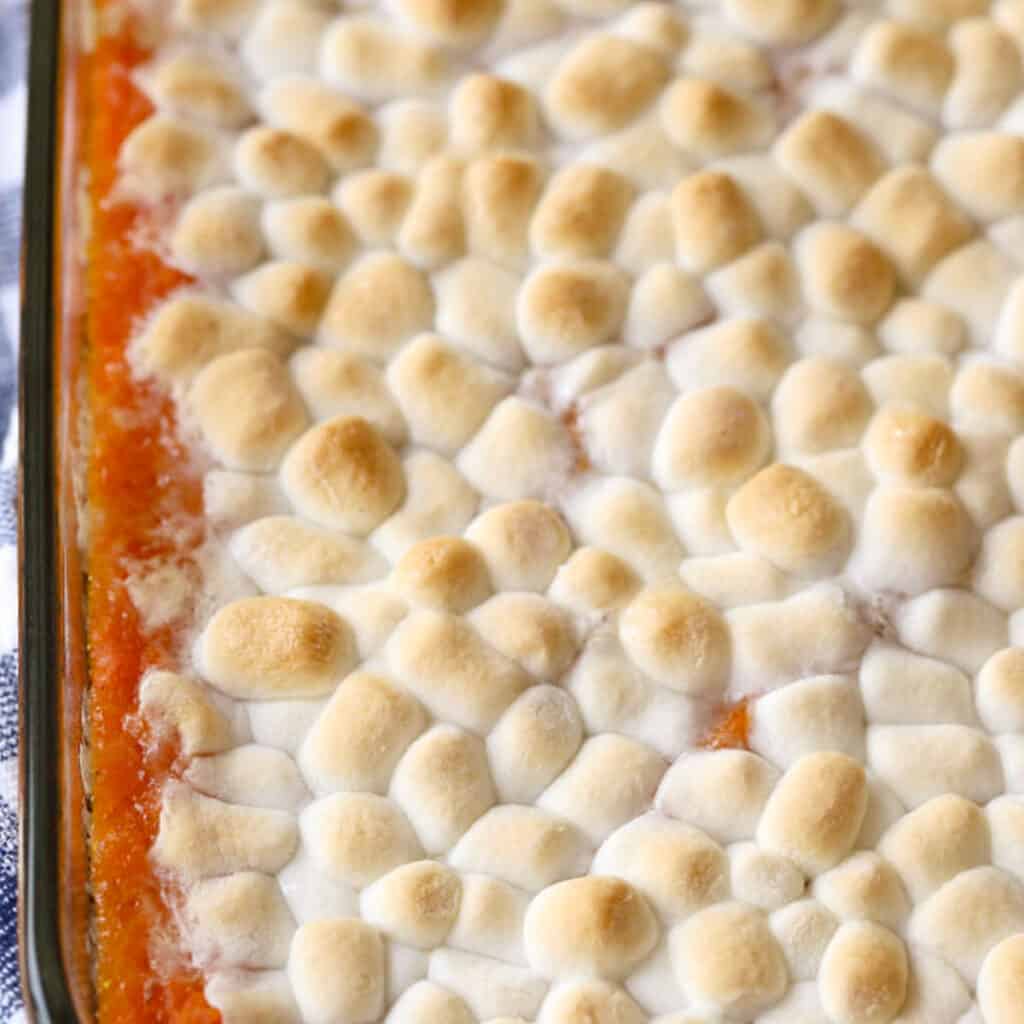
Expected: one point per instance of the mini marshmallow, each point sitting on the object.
(200, 837)
(336, 968)
(218, 233)
(678, 639)
(953, 625)
(247, 409)
(916, 325)
(446, 663)
(900, 688)
(804, 930)
(864, 887)
(731, 580)
(677, 867)
(999, 984)
(594, 580)
(476, 310)
(188, 709)
(490, 919)
(746, 353)
(355, 838)
(489, 987)
(581, 999)
(168, 156)
(784, 515)
(820, 713)
(726, 957)
(610, 782)
(251, 775)
(309, 230)
(999, 691)
(785, 24)
(565, 308)
(923, 761)
(438, 501)
(267, 647)
(520, 452)
(374, 202)
(499, 195)
(344, 475)
(714, 220)
(913, 66)
(904, 445)
(763, 879)
(762, 283)
(239, 919)
(283, 38)
(427, 1003)
(380, 303)
(523, 543)
(602, 84)
(969, 915)
(252, 994)
(909, 216)
(710, 121)
(416, 903)
(433, 231)
(361, 734)
(525, 846)
(815, 811)
(864, 974)
(714, 436)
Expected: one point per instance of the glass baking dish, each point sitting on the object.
(83, 102)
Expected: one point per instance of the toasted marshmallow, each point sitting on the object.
(416, 903)
(373, 61)
(308, 230)
(999, 691)
(199, 722)
(579, 999)
(864, 973)
(355, 838)
(190, 330)
(375, 202)
(566, 308)
(900, 688)
(677, 867)
(218, 233)
(491, 113)
(521, 451)
(357, 740)
(456, 26)
(715, 436)
(820, 404)
(916, 325)
(594, 580)
(820, 713)
(445, 573)
(433, 231)
(924, 761)
(921, 380)
(714, 221)
(610, 782)
(580, 213)
(344, 475)
(999, 982)
(427, 1003)
(444, 661)
(168, 156)
(251, 775)
(679, 639)
(499, 195)
(523, 543)
(815, 811)
(726, 957)
(783, 514)
(380, 303)
(525, 846)
(490, 919)
(988, 397)
(283, 38)
(968, 916)
(603, 84)
(444, 396)
(267, 647)
(341, 130)
(830, 159)
(978, 168)
(912, 65)
(200, 837)
(438, 501)
(763, 283)
(336, 968)
(265, 995)
(412, 131)
(597, 924)
(289, 294)
(629, 519)
(904, 445)
(647, 237)
(239, 919)
(278, 164)
(226, 18)
(476, 309)
(784, 24)
(710, 121)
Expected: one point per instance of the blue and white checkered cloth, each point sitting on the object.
(13, 38)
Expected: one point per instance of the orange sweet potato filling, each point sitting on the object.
(145, 504)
